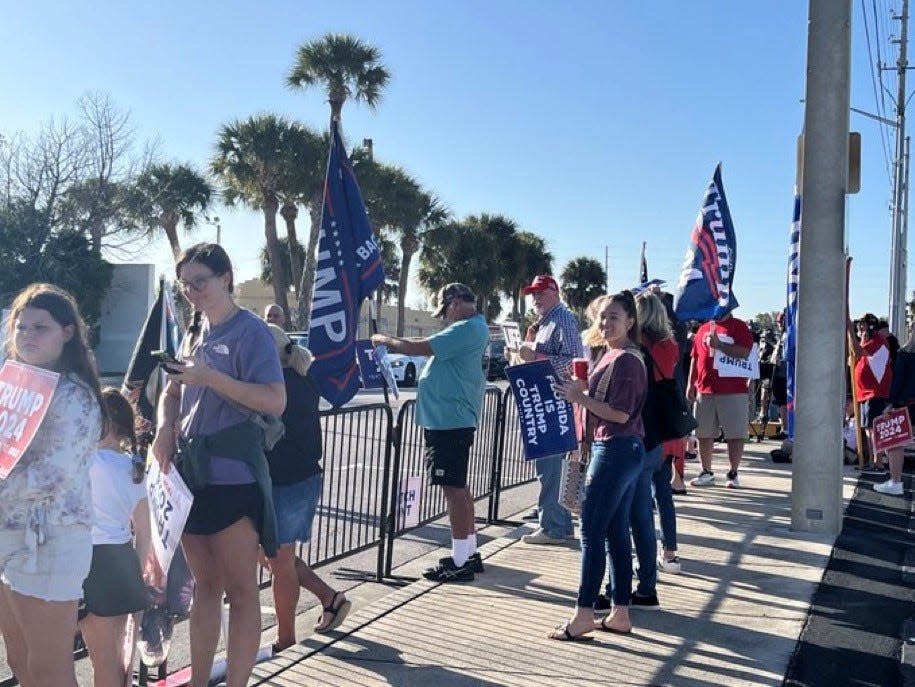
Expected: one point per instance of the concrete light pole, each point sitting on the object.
(816, 489)
(899, 243)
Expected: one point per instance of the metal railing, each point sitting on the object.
(366, 458)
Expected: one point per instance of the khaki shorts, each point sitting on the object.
(727, 412)
(55, 570)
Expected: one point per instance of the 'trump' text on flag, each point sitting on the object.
(705, 290)
(349, 268)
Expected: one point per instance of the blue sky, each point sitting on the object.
(592, 124)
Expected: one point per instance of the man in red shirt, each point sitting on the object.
(873, 374)
(721, 402)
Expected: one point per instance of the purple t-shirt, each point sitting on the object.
(626, 393)
(243, 348)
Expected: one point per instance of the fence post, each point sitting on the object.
(391, 516)
(385, 486)
(498, 444)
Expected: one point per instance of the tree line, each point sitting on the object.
(86, 185)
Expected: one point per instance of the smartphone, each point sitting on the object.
(163, 358)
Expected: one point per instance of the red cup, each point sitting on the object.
(580, 369)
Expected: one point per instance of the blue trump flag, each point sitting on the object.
(705, 290)
(794, 264)
(547, 421)
(349, 268)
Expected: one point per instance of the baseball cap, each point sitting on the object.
(541, 283)
(453, 291)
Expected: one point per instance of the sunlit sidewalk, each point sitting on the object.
(731, 617)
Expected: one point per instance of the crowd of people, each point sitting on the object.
(74, 522)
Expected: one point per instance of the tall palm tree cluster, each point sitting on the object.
(272, 164)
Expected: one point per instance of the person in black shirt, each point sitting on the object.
(295, 470)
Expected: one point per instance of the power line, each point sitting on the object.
(874, 72)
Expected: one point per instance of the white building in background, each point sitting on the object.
(124, 310)
(255, 295)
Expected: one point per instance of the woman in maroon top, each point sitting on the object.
(617, 455)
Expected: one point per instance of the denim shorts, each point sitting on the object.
(55, 570)
(295, 506)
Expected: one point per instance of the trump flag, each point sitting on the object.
(705, 290)
(349, 268)
(794, 262)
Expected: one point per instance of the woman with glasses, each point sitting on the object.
(229, 372)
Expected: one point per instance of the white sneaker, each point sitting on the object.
(889, 487)
(671, 565)
(705, 479)
(733, 482)
(541, 537)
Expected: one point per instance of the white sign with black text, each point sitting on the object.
(748, 367)
(169, 505)
(408, 501)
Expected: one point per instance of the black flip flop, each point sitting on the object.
(338, 614)
(678, 492)
(567, 636)
(606, 628)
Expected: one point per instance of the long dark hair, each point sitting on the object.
(122, 423)
(76, 357)
(626, 301)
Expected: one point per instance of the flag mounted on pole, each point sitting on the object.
(643, 267)
(349, 268)
(144, 379)
(705, 290)
(794, 262)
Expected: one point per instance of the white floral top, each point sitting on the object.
(54, 471)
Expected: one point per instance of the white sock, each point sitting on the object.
(459, 551)
(471, 544)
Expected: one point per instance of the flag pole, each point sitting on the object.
(373, 326)
(852, 364)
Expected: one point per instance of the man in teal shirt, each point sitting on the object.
(448, 403)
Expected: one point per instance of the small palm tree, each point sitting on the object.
(167, 195)
(249, 160)
(344, 66)
(347, 69)
(583, 280)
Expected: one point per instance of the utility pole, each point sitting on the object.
(898, 244)
(816, 485)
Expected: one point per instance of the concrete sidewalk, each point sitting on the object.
(733, 616)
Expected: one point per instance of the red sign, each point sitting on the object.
(25, 394)
(891, 430)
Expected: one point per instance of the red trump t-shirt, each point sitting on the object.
(730, 331)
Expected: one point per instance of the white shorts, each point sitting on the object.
(55, 570)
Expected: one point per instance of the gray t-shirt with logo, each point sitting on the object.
(243, 348)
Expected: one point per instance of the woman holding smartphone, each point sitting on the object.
(230, 371)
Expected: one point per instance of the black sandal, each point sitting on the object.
(337, 614)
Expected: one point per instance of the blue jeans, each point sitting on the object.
(665, 500)
(612, 473)
(642, 522)
(555, 520)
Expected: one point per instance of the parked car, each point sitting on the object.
(494, 361)
(406, 368)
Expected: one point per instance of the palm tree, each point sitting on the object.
(249, 160)
(169, 194)
(346, 68)
(583, 280)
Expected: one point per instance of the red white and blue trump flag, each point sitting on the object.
(705, 290)
(794, 269)
(349, 268)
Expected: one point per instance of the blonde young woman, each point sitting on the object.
(617, 457)
(45, 501)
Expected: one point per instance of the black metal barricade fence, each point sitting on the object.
(366, 458)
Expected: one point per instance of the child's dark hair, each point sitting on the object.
(122, 423)
(626, 301)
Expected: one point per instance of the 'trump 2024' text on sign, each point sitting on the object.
(25, 395)
(892, 429)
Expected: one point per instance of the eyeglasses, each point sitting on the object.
(197, 284)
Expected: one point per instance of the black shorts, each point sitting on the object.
(780, 390)
(871, 409)
(219, 505)
(447, 455)
(115, 584)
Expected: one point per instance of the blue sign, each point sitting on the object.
(705, 290)
(547, 421)
(368, 365)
